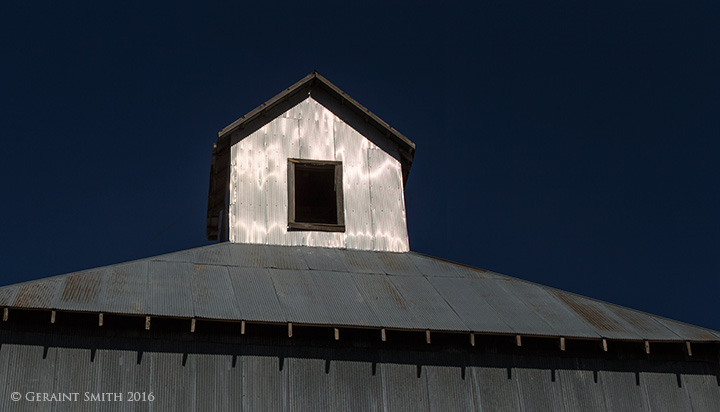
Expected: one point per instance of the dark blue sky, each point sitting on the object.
(571, 145)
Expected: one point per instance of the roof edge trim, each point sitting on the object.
(312, 80)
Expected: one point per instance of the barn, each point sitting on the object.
(312, 299)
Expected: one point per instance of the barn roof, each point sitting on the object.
(340, 288)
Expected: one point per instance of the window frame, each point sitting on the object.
(293, 224)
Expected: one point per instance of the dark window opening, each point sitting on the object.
(315, 195)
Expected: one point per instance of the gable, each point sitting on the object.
(329, 96)
(372, 182)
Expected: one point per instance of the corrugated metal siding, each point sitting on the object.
(264, 382)
(317, 142)
(387, 202)
(536, 389)
(351, 149)
(219, 383)
(78, 375)
(215, 376)
(5, 350)
(580, 390)
(354, 386)
(372, 180)
(247, 194)
(414, 394)
(622, 388)
(316, 131)
(173, 378)
(702, 389)
(494, 388)
(308, 385)
(30, 368)
(672, 397)
(282, 143)
(119, 371)
(458, 389)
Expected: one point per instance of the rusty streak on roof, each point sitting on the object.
(278, 284)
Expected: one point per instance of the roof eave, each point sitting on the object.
(316, 79)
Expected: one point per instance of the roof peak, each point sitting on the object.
(315, 79)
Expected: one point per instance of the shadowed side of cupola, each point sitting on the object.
(310, 167)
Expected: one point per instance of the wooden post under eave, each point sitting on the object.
(688, 348)
(647, 347)
(472, 339)
(289, 329)
(6, 313)
(427, 336)
(383, 336)
(518, 340)
(604, 345)
(562, 344)
(147, 322)
(52, 316)
(337, 334)
(192, 325)
(100, 319)
(242, 327)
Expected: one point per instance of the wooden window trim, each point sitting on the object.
(339, 195)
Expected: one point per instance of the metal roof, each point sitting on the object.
(339, 287)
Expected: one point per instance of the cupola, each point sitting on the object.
(310, 167)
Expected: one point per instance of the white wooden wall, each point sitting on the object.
(372, 183)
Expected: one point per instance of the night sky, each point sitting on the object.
(575, 146)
